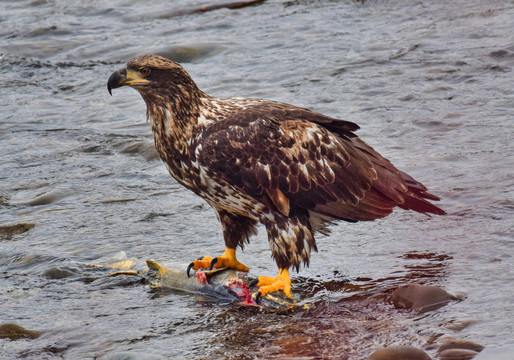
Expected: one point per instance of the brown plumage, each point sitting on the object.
(255, 160)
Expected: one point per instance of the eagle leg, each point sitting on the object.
(227, 260)
(282, 282)
(236, 230)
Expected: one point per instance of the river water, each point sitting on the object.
(429, 82)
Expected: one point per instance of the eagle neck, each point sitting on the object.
(174, 119)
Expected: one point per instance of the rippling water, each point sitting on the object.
(431, 85)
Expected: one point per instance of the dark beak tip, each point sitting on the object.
(115, 80)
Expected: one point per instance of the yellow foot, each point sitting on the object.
(281, 282)
(227, 260)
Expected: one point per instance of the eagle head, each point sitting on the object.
(153, 74)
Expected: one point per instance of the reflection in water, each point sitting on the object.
(341, 318)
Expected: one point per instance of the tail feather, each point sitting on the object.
(416, 195)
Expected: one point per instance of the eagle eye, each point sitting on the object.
(144, 71)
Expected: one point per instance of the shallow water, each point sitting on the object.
(429, 83)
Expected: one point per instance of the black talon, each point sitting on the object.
(189, 268)
(213, 262)
(258, 298)
(253, 283)
(191, 265)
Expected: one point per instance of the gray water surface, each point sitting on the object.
(431, 85)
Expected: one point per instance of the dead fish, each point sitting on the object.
(222, 284)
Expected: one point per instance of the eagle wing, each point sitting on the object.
(288, 157)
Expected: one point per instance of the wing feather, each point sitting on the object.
(276, 152)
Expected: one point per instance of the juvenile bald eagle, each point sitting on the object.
(289, 168)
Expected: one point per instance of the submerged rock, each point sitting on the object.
(7, 231)
(399, 353)
(15, 332)
(420, 297)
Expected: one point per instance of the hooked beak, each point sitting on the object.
(125, 77)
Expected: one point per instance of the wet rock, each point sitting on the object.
(15, 332)
(7, 231)
(420, 297)
(460, 344)
(58, 273)
(399, 353)
(457, 354)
